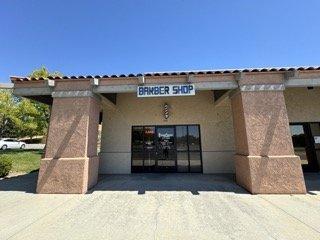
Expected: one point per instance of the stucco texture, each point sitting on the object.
(303, 105)
(274, 174)
(261, 124)
(215, 122)
(71, 162)
(265, 160)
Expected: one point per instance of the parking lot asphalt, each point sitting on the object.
(158, 206)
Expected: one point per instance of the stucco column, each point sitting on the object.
(265, 161)
(70, 164)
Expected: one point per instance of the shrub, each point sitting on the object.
(5, 165)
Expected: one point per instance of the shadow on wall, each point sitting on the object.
(265, 148)
(59, 152)
(66, 140)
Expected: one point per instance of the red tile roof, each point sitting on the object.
(174, 73)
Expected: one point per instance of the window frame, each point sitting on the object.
(176, 150)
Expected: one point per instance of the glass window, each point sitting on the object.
(137, 138)
(149, 158)
(182, 135)
(298, 136)
(166, 136)
(193, 138)
(166, 148)
(149, 138)
(182, 162)
(315, 131)
(137, 158)
(299, 142)
(195, 162)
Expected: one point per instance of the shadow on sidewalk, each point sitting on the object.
(193, 183)
(22, 183)
(141, 183)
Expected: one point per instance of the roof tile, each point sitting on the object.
(174, 73)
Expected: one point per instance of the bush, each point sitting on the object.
(5, 165)
(32, 141)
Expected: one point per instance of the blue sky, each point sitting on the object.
(118, 36)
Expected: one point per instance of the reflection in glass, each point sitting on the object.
(166, 153)
(181, 135)
(149, 138)
(182, 162)
(149, 158)
(299, 142)
(165, 142)
(195, 162)
(315, 131)
(166, 148)
(193, 138)
(137, 138)
(137, 160)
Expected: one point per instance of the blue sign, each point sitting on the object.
(166, 90)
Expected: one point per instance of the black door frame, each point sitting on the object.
(313, 165)
(175, 146)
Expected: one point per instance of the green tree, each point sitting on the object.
(9, 120)
(44, 72)
(31, 117)
(35, 114)
(21, 117)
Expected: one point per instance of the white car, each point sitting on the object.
(6, 143)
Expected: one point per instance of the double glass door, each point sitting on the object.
(166, 149)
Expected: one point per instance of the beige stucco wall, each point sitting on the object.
(303, 105)
(217, 137)
(215, 125)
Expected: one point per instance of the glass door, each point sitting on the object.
(166, 149)
(315, 138)
(143, 149)
(149, 149)
(194, 149)
(188, 149)
(304, 146)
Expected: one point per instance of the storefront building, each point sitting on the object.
(261, 124)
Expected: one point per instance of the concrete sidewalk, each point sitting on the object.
(158, 206)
